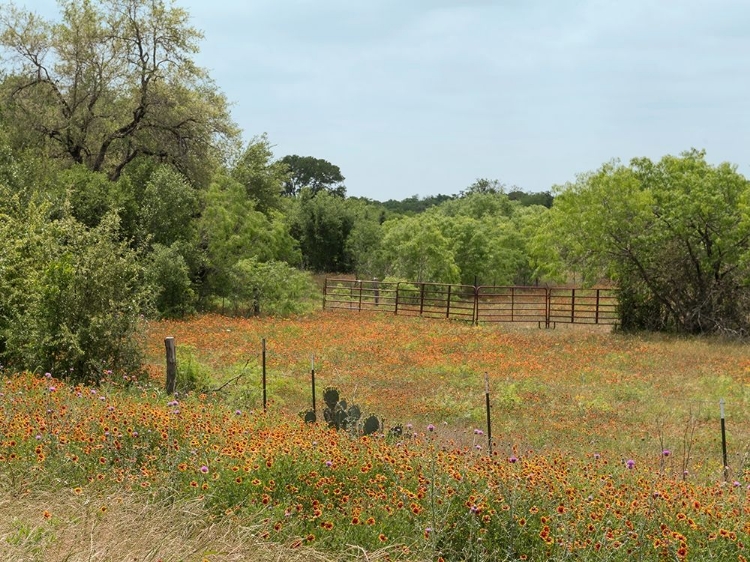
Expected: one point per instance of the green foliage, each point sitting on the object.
(415, 248)
(544, 198)
(674, 235)
(168, 276)
(482, 237)
(415, 204)
(271, 288)
(192, 375)
(484, 186)
(168, 209)
(112, 81)
(232, 230)
(314, 174)
(263, 179)
(70, 297)
(88, 194)
(364, 241)
(322, 225)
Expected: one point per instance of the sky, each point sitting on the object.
(422, 97)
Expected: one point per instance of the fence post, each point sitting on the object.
(421, 298)
(572, 306)
(325, 292)
(448, 308)
(597, 306)
(475, 309)
(489, 418)
(312, 373)
(171, 350)
(377, 290)
(264, 373)
(724, 441)
(395, 308)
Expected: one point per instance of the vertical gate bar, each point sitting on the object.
(548, 306)
(512, 303)
(597, 306)
(325, 292)
(572, 306)
(448, 308)
(360, 294)
(475, 308)
(395, 309)
(421, 299)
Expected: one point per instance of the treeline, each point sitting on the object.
(126, 193)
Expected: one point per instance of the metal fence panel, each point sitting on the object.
(475, 304)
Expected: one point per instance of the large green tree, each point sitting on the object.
(322, 224)
(417, 249)
(110, 81)
(674, 235)
(313, 173)
(232, 230)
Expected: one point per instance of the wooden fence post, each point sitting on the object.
(171, 350)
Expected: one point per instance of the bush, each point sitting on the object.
(71, 297)
(272, 288)
(168, 275)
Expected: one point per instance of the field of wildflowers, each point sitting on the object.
(605, 446)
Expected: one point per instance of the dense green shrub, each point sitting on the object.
(168, 276)
(71, 297)
(272, 288)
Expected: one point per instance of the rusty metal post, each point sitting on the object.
(724, 441)
(264, 373)
(448, 307)
(597, 306)
(489, 418)
(312, 375)
(398, 288)
(572, 306)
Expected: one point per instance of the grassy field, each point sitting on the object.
(606, 447)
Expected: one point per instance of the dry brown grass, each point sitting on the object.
(63, 527)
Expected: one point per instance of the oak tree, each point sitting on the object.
(111, 81)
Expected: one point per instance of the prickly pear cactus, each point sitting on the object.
(353, 413)
(371, 425)
(340, 415)
(331, 397)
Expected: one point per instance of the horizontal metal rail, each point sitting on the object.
(475, 304)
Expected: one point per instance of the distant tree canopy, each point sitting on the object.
(415, 204)
(314, 174)
(544, 198)
(674, 235)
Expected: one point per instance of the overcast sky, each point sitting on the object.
(424, 96)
